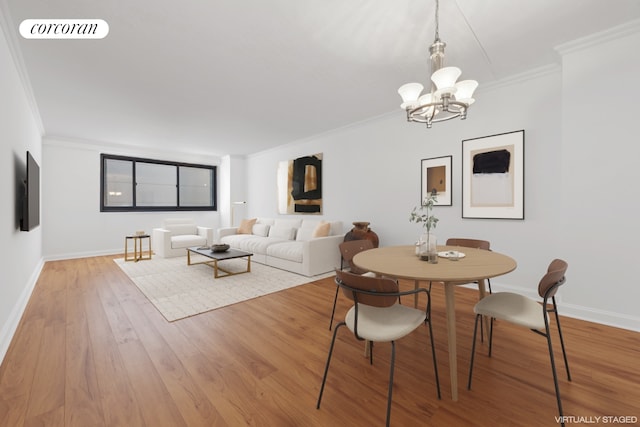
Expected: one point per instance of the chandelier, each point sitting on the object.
(447, 99)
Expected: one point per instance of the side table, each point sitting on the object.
(138, 252)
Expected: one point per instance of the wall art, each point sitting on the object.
(493, 176)
(436, 178)
(300, 185)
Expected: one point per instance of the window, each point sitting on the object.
(134, 184)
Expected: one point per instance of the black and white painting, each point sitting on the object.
(493, 176)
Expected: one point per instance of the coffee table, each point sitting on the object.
(219, 256)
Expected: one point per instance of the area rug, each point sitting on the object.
(178, 290)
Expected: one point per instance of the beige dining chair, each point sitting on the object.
(524, 311)
(348, 250)
(377, 316)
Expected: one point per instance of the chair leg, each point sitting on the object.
(490, 336)
(433, 354)
(564, 353)
(553, 367)
(473, 350)
(326, 368)
(333, 311)
(389, 397)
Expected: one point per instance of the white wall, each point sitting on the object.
(73, 225)
(232, 175)
(601, 173)
(371, 172)
(20, 252)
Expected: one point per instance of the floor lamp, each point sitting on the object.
(233, 208)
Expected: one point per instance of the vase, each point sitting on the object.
(429, 248)
(361, 231)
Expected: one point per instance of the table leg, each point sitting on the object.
(449, 292)
(416, 285)
(482, 291)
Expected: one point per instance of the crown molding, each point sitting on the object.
(532, 74)
(595, 39)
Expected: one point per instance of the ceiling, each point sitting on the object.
(238, 77)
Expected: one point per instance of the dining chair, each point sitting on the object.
(377, 316)
(471, 243)
(524, 311)
(348, 250)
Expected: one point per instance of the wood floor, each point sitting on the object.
(92, 351)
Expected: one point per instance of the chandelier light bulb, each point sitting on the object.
(410, 93)
(465, 89)
(446, 77)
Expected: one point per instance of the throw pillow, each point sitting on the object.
(261, 230)
(322, 229)
(246, 226)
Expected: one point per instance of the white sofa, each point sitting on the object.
(177, 234)
(289, 244)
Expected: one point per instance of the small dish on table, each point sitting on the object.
(451, 254)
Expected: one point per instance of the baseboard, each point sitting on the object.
(76, 255)
(10, 327)
(602, 317)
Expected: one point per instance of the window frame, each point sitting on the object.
(134, 207)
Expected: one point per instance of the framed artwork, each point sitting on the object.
(436, 177)
(300, 185)
(493, 176)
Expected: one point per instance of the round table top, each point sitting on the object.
(402, 262)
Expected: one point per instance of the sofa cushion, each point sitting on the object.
(178, 229)
(235, 240)
(282, 232)
(257, 244)
(304, 233)
(261, 229)
(246, 226)
(186, 240)
(291, 251)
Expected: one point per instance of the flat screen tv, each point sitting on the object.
(31, 198)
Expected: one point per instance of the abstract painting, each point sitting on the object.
(493, 176)
(300, 185)
(436, 178)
